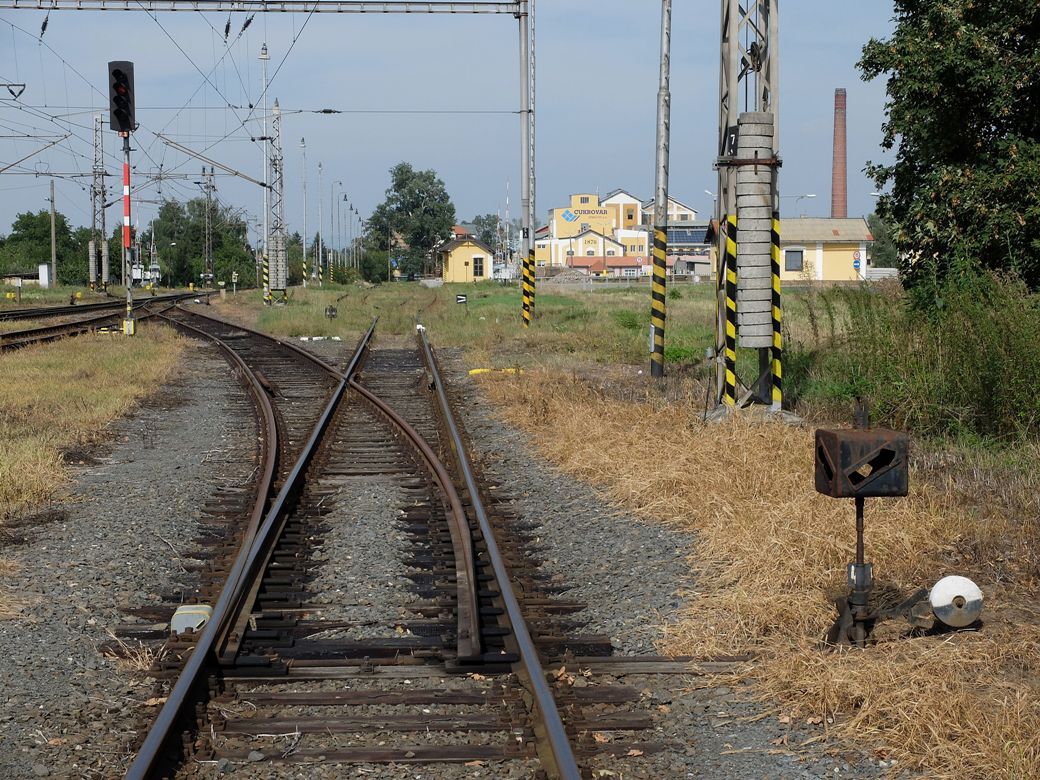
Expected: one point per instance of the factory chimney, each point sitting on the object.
(839, 175)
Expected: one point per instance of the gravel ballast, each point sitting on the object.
(635, 577)
(66, 709)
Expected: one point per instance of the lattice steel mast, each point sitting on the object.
(747, 261)
(279, 264)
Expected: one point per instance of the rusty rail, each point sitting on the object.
(559, 746)
(253, 554)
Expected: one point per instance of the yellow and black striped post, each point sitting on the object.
(729, 388)
(658, 301)
(267, 281)
(321, 274)
(527, 285)
(778, 340)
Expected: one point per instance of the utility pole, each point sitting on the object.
(105, 272)
(97, 207)
(54, 244)
(660, 250)
(527, 163)
(306, 238)
(207, 187)
(748, 301)
(278, 255)
(319, 260)
(265, 179)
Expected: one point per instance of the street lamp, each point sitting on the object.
(799, 197)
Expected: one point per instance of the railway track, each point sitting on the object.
(115, 303)
(478, 667)
(111, 314)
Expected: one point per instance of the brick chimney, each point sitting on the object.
(839, 175)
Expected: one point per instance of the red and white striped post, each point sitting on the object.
(128, 323)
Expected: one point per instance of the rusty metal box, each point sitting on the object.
(865, 462)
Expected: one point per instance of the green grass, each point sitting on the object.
(598, 326)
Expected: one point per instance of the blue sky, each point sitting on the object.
(597, 89)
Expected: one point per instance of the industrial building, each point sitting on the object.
(614, 227)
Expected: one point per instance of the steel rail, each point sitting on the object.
(225, 611)
(469, 644)
(281, 342)
(41, 312)
(16, 339)
(270, 6)
(559, 745)
(469, 641)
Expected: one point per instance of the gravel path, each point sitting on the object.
(66, 710)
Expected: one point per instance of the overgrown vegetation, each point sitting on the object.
(608, 326)
(967, 367)
(772, 552)
(62, 395)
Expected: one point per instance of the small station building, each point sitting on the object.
(464, 260)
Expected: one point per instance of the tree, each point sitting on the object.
(180, 242)
(963, 96)
(883, 254)
(416, 216)
(487, 226)
(29, 244)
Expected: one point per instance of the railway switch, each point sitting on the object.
(858, 463)
(863, 462)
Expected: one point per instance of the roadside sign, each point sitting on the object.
(856, 255)
(234, 276)
(461, 298)
(856, 263)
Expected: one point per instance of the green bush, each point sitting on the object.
(630, 320)
(679, 354)
(674, 294)
(968, 364)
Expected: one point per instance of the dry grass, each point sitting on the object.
(772, 551)
(9, 604)
(134, 657)
(61, 395)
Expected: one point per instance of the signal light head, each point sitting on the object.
(121, 96)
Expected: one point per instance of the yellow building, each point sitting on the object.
(584, 213)
(465, 260)
(614, 226)
(677, 212)
(628, 209)
(826, 250)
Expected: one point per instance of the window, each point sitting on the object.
(684, 217)
(629, 271)
(590, 253)
(631, 215)
(478, 266)
(793, 259)
(570, 253)
(610, 253)
(584, 226)
(584, 199)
